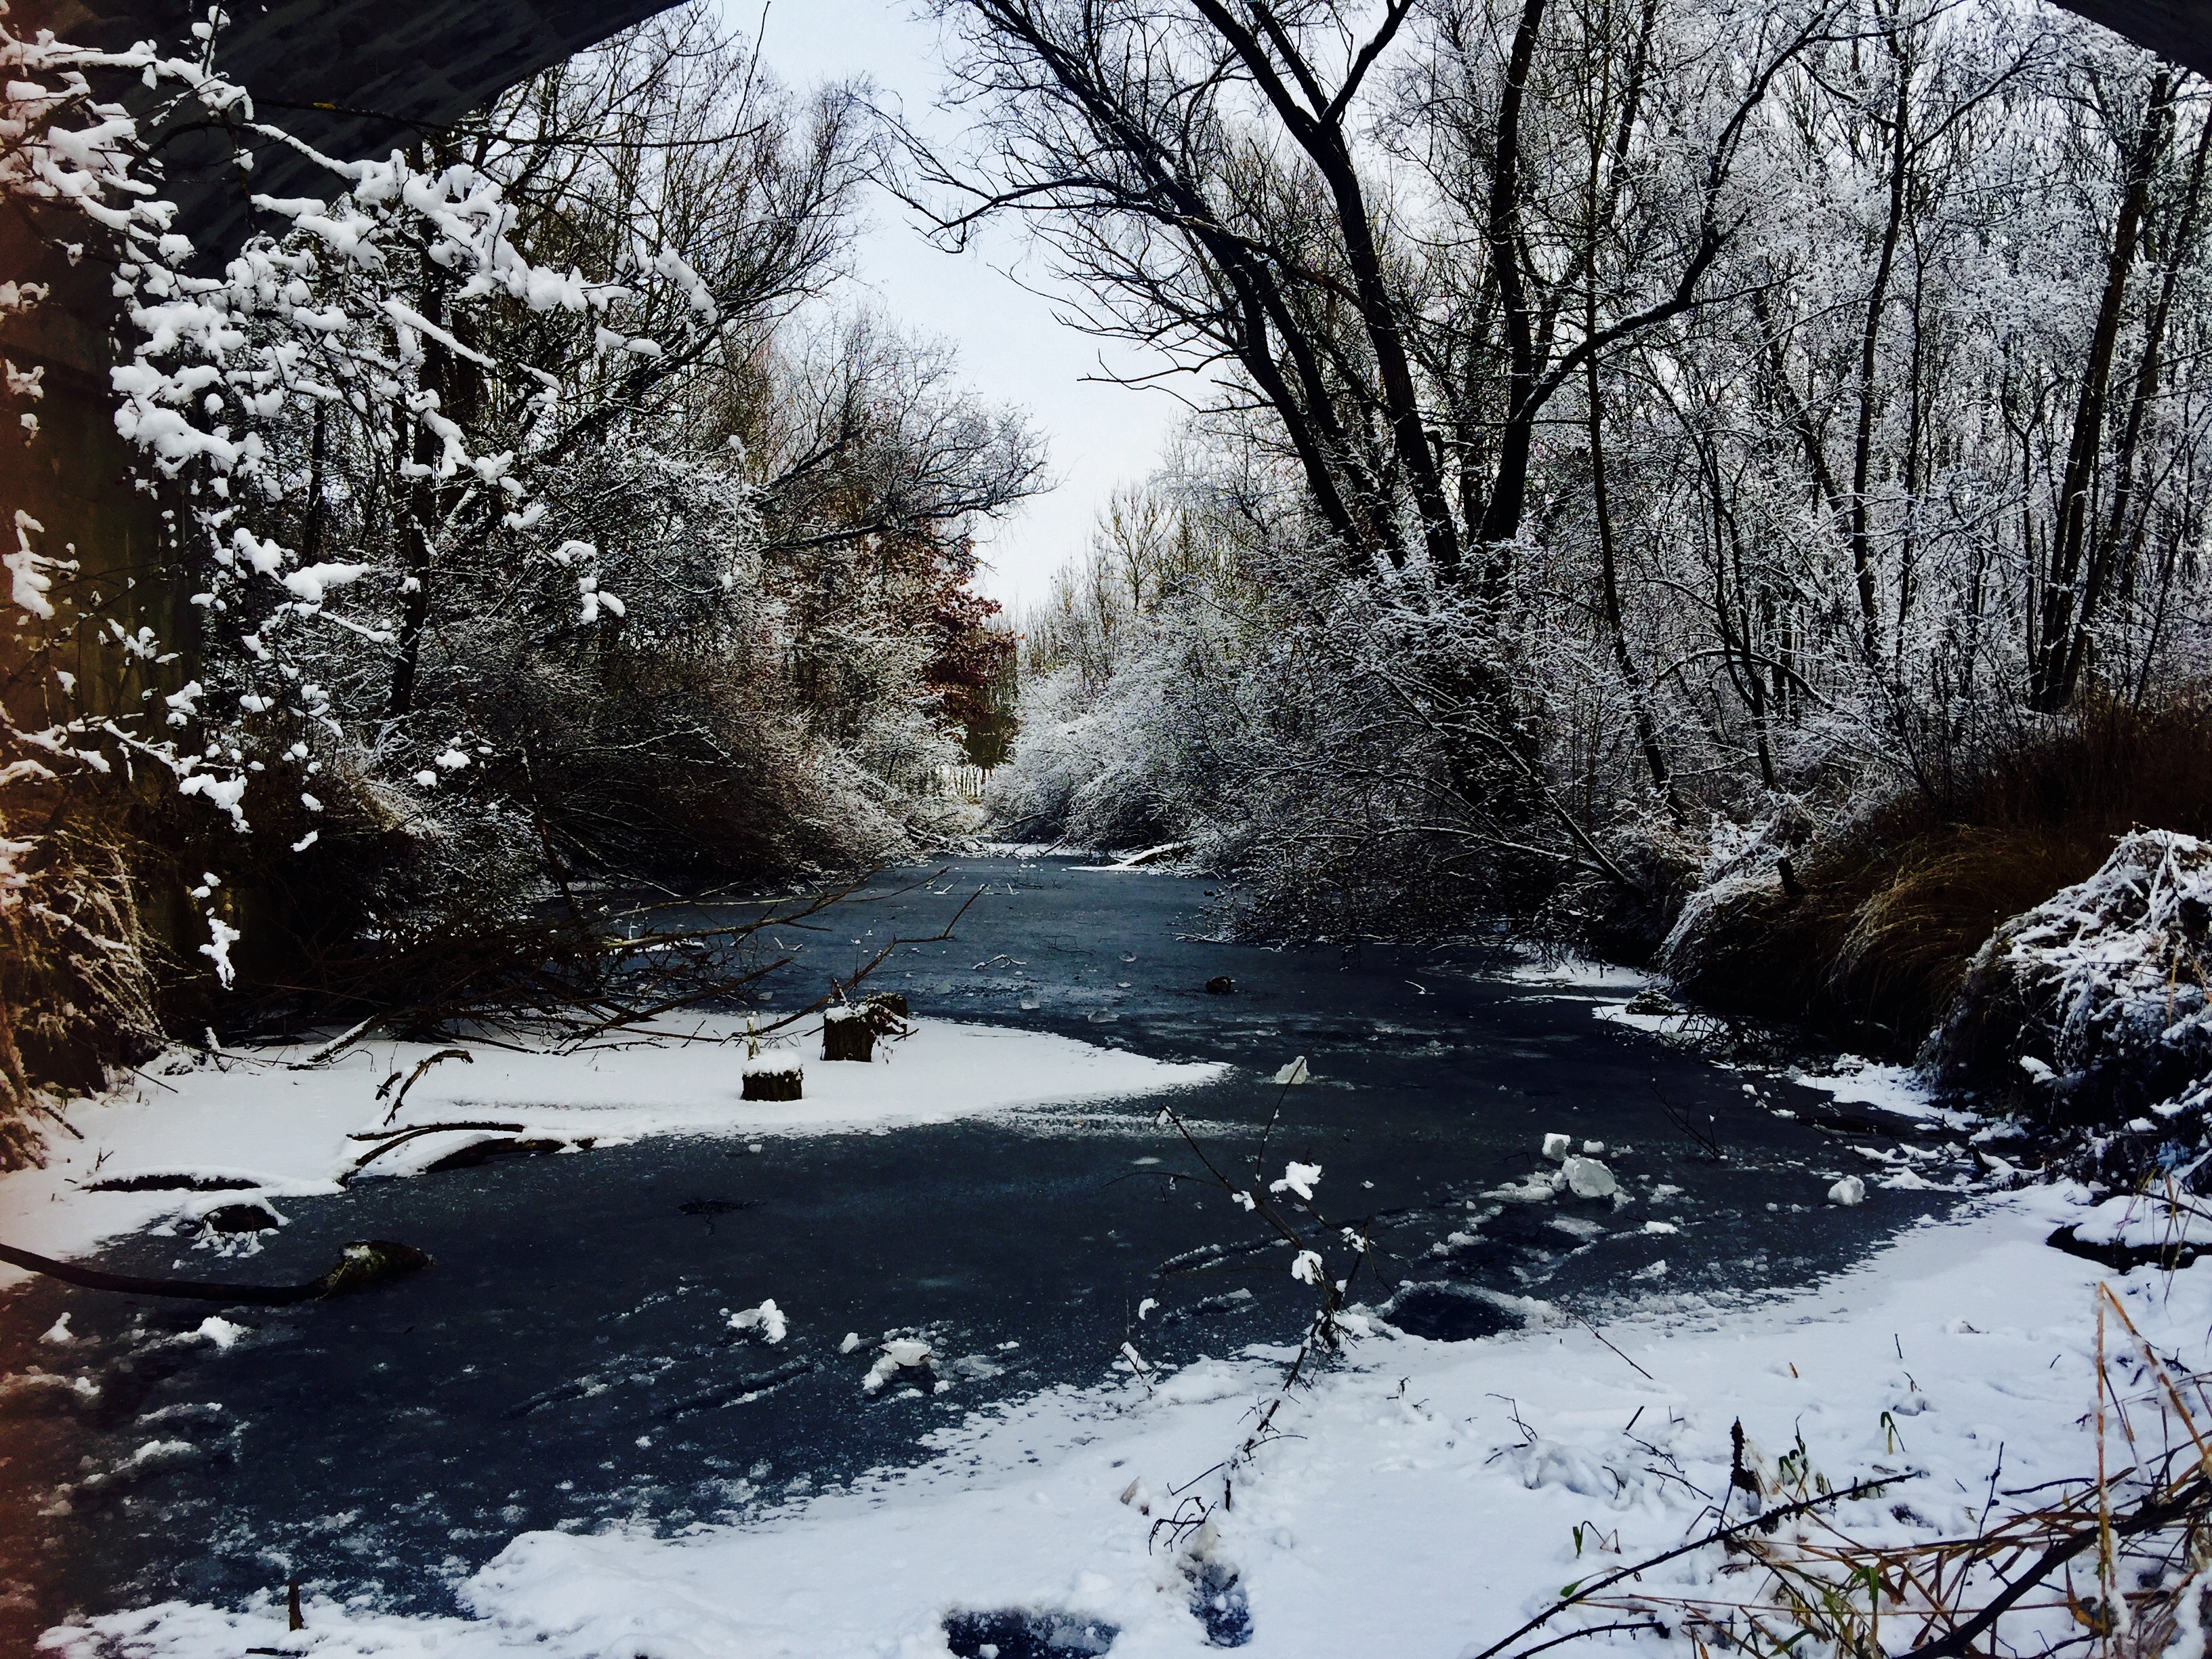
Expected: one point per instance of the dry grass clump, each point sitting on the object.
(76, 980)
(2115, 1564)
(1888, 910)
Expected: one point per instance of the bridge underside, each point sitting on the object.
(355, 78)
(2178, 29)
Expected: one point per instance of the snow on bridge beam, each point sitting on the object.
(355, 78)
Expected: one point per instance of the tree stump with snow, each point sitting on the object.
(892, 1003)
(848, 1033)
(774, 1078)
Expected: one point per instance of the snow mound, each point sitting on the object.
(2145, 1221)
(2091, 1008)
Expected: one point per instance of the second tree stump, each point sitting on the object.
(848, 1033)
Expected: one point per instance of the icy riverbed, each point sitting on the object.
(573, 1376)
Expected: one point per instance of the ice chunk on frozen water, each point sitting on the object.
(1587, 1178)
(768, 1319)
(220, 1331)
(900, 1353)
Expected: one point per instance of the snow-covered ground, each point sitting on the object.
(254, 1124)
(1420, 1499)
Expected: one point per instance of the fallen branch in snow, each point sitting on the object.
(1277, 1205)
(633, 1017)
(399, 1136)
(571, 975)
(369, 1262)
(338, 1044)
(415, 1077)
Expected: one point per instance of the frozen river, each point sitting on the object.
(567, 1363)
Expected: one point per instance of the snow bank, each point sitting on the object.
(1154, 861)
(1574, 974)
(1422, 1499)
(1850, 1079)
(249, 1124)
(2093, 1006)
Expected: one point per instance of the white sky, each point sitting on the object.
(1010, 348)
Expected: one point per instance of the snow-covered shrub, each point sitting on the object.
(1349, 750)
(1739, 888)
(1087, 768)
(1742, 861)
(2091, 1009)
(524, 533)
(1895, 890)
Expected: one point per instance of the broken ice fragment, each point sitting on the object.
(768, 1319)
(220, 1331)
(899, 1354)
(1587, 1178)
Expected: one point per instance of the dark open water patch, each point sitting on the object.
(570, 1361)
(1021, 1633)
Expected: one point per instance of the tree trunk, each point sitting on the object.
(1509, 485)
(2069, 599)
(1861, 536)
(1647, 733)
(2122, 540)
(422, 493)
